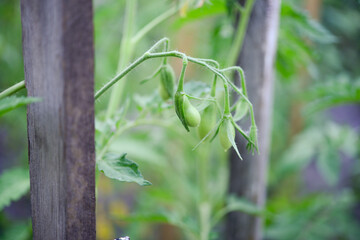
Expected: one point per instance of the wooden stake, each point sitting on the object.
(59, 68)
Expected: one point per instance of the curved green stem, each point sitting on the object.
(13, 89)
(215, 63)
(158, 43)
(166, 49)
(242, 76)
(241, 131)
(252, 115)
(227, 100)
(243, 91)
(200, 99)
(156, 21)
(144, 57)
(213, 87)
(240, 34)
(125, 53)
(149, 55)
(156, 72)
(185, 58)
(182, 75)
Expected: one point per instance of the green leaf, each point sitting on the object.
(306, 25)
(235, 203)
(297, 34)
(19, 231)
(230, 5)
(9, 103)
(14, 183)
(324, 141)
(243, 205)
(118, 167)
(213, 8)
(339, 91)
(321, 211)
(328, 163)
(152, 218)
(299, 153)
(197, 88)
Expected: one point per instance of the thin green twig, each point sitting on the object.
(13, 89)
(156, 21)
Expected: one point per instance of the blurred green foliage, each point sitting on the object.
(13, 142)
(313, 65)
(14, 183)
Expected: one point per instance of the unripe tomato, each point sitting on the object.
(191, 114)
(167, 82)
(226, 130)
(163, 93)
(242, 109)
(208, 121)
(179, 108)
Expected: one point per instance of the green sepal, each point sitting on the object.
(253, 145)
(231, 136)
(226, 134)
(215, 129)
(242, 108)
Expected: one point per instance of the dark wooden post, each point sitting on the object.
(248, 177)
(59, 68)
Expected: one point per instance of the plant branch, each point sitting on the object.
(243, 91)
(236, 46)
(156, 21)
(125, 53)
(217, 72)
(13, 89)
(176, 54)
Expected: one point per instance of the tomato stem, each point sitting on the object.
(245, 12)
(13, 89)
(182, 75)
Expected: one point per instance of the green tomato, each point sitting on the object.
(208, 121)
(227, 130)
(163, 93)
(167, 82)
(191, 114)
(242, 108)
(179, 108)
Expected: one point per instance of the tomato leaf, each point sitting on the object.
(9, 103)
(14, 183)
(243, 205)
(118, 167)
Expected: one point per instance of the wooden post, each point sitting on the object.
(59, 68)
(248, 177)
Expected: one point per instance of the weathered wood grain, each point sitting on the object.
(59, 68)
(248, 177)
